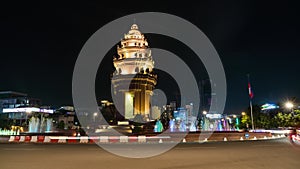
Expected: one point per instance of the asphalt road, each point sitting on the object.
(271, 154)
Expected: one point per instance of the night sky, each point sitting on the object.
(40, 43)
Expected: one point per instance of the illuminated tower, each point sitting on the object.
(134, 79)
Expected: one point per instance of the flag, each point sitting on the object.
(250, 90)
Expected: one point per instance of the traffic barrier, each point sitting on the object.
(84, 139)
(11, 139)
(47, 139)
(22, 139)
(142, 139)
(132, 139)
(123, 139)
(62, 139)
(34, 139)
(114, 139)
(40, 139)
(103, 139)
(72, 139)
(53, 139)
(94, 139)
(27, 138)
(117, 139)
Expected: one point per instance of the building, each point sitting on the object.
(17, 108)
(134, 79)
(65, 117)
(12, 99)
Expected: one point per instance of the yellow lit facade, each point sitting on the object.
(134, 79)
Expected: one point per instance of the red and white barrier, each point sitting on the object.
(142, 139)
(84, 139)
(47, 139)
(104, 139)
(34, 139)
(22, 139)
(123, 139)
(11, 139)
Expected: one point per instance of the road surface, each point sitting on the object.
(271, 154)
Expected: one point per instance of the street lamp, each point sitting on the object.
(290, 106)
(95, 114)
(203, 119)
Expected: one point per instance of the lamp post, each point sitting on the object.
(95, 115)
(290, 106)
(203, 118)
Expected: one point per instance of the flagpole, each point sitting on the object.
(251, 110)
(250, 102)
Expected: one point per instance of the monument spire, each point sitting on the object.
(134, 68)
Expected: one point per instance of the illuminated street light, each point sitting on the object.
(203, 119)
(289, 105)
(95, 114)
(243, 113)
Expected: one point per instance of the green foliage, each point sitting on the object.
(245, 121)
(288, 119)
(61, 125)
(270, 120)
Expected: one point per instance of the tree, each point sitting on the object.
(284, 120)
(61, 125)
(296, 118)
(245, 121)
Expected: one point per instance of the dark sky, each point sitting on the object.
(41, 41)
